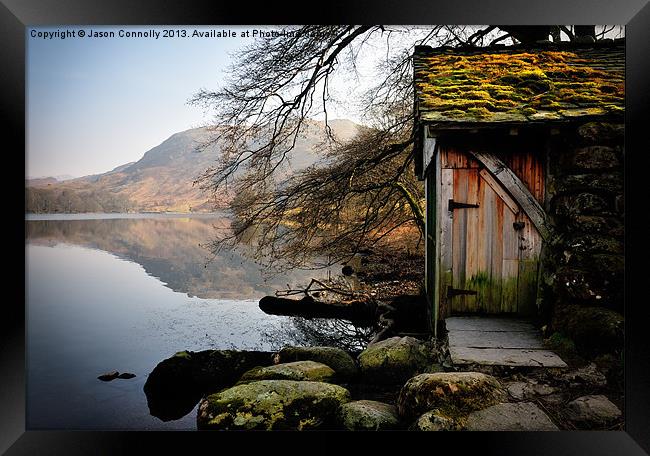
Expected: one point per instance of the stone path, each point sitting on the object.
(498, 341)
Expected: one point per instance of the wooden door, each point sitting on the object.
(489, 247)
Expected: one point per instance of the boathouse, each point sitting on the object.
(521, 152)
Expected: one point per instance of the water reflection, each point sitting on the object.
(89, 312)
(173, 250)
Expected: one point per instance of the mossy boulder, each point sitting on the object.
(300, 370)
(177, 383)
(273, 405)
(336, 358)
(367, 415)
(394, 360)
(435, 420)
(594, 330)
(453, 393)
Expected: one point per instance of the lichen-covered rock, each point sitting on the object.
(595, 410)
(518, 416)
(435, 420)
(273, 404)
(300, 370)
(394, 360)
(368, 416)
(339, 360)
(451, 392)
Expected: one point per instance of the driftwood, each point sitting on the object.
(354, 311)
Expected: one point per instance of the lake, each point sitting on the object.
(123, 292)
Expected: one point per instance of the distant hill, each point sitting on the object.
(162, 180)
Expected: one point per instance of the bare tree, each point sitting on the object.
(362, 190)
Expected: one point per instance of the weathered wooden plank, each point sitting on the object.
(498, 189)
(487, 324)
(453, 158)
(530, 244)
(510, 292)
(505, 357)
(459, 250)
(471, 214)
(495, 339)
(445, 221)
(516, 188)
(528, 167)
(497, 257)
(510, 236)
(428, 151)
(510, 262)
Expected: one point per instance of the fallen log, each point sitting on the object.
(354, 311)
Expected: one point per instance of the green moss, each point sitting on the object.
(272, 404)
(561, 343)
(514, 83)
(183, 354)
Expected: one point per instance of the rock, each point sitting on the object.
(339, 360)
(611, 182)
(592, 157)
(273, 404)
(517, 416)
(300, 370)
(593, 329)
(368, 416)
(587, 375)
(177, 383)
(611, 226)
(394, 360)
(582, 203)
(126, 375)
(107, 377)
(518, 390)
(435, 420)
(592, 410)
(595, 132)
(451, 392)
(523, 390)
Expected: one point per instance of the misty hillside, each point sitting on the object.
(162, 180)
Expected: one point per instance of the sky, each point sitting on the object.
(96, 103)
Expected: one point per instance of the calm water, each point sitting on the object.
(123, 293)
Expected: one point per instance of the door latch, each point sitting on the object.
(456, 205)
(451, 292)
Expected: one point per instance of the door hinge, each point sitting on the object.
(451, 292)
(456, 205)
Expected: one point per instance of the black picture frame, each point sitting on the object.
(16, 15)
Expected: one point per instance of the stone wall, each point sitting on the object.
(583, 263)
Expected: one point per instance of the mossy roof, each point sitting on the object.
(519, 85)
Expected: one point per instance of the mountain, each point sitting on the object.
(46, 180)
(162, 180)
